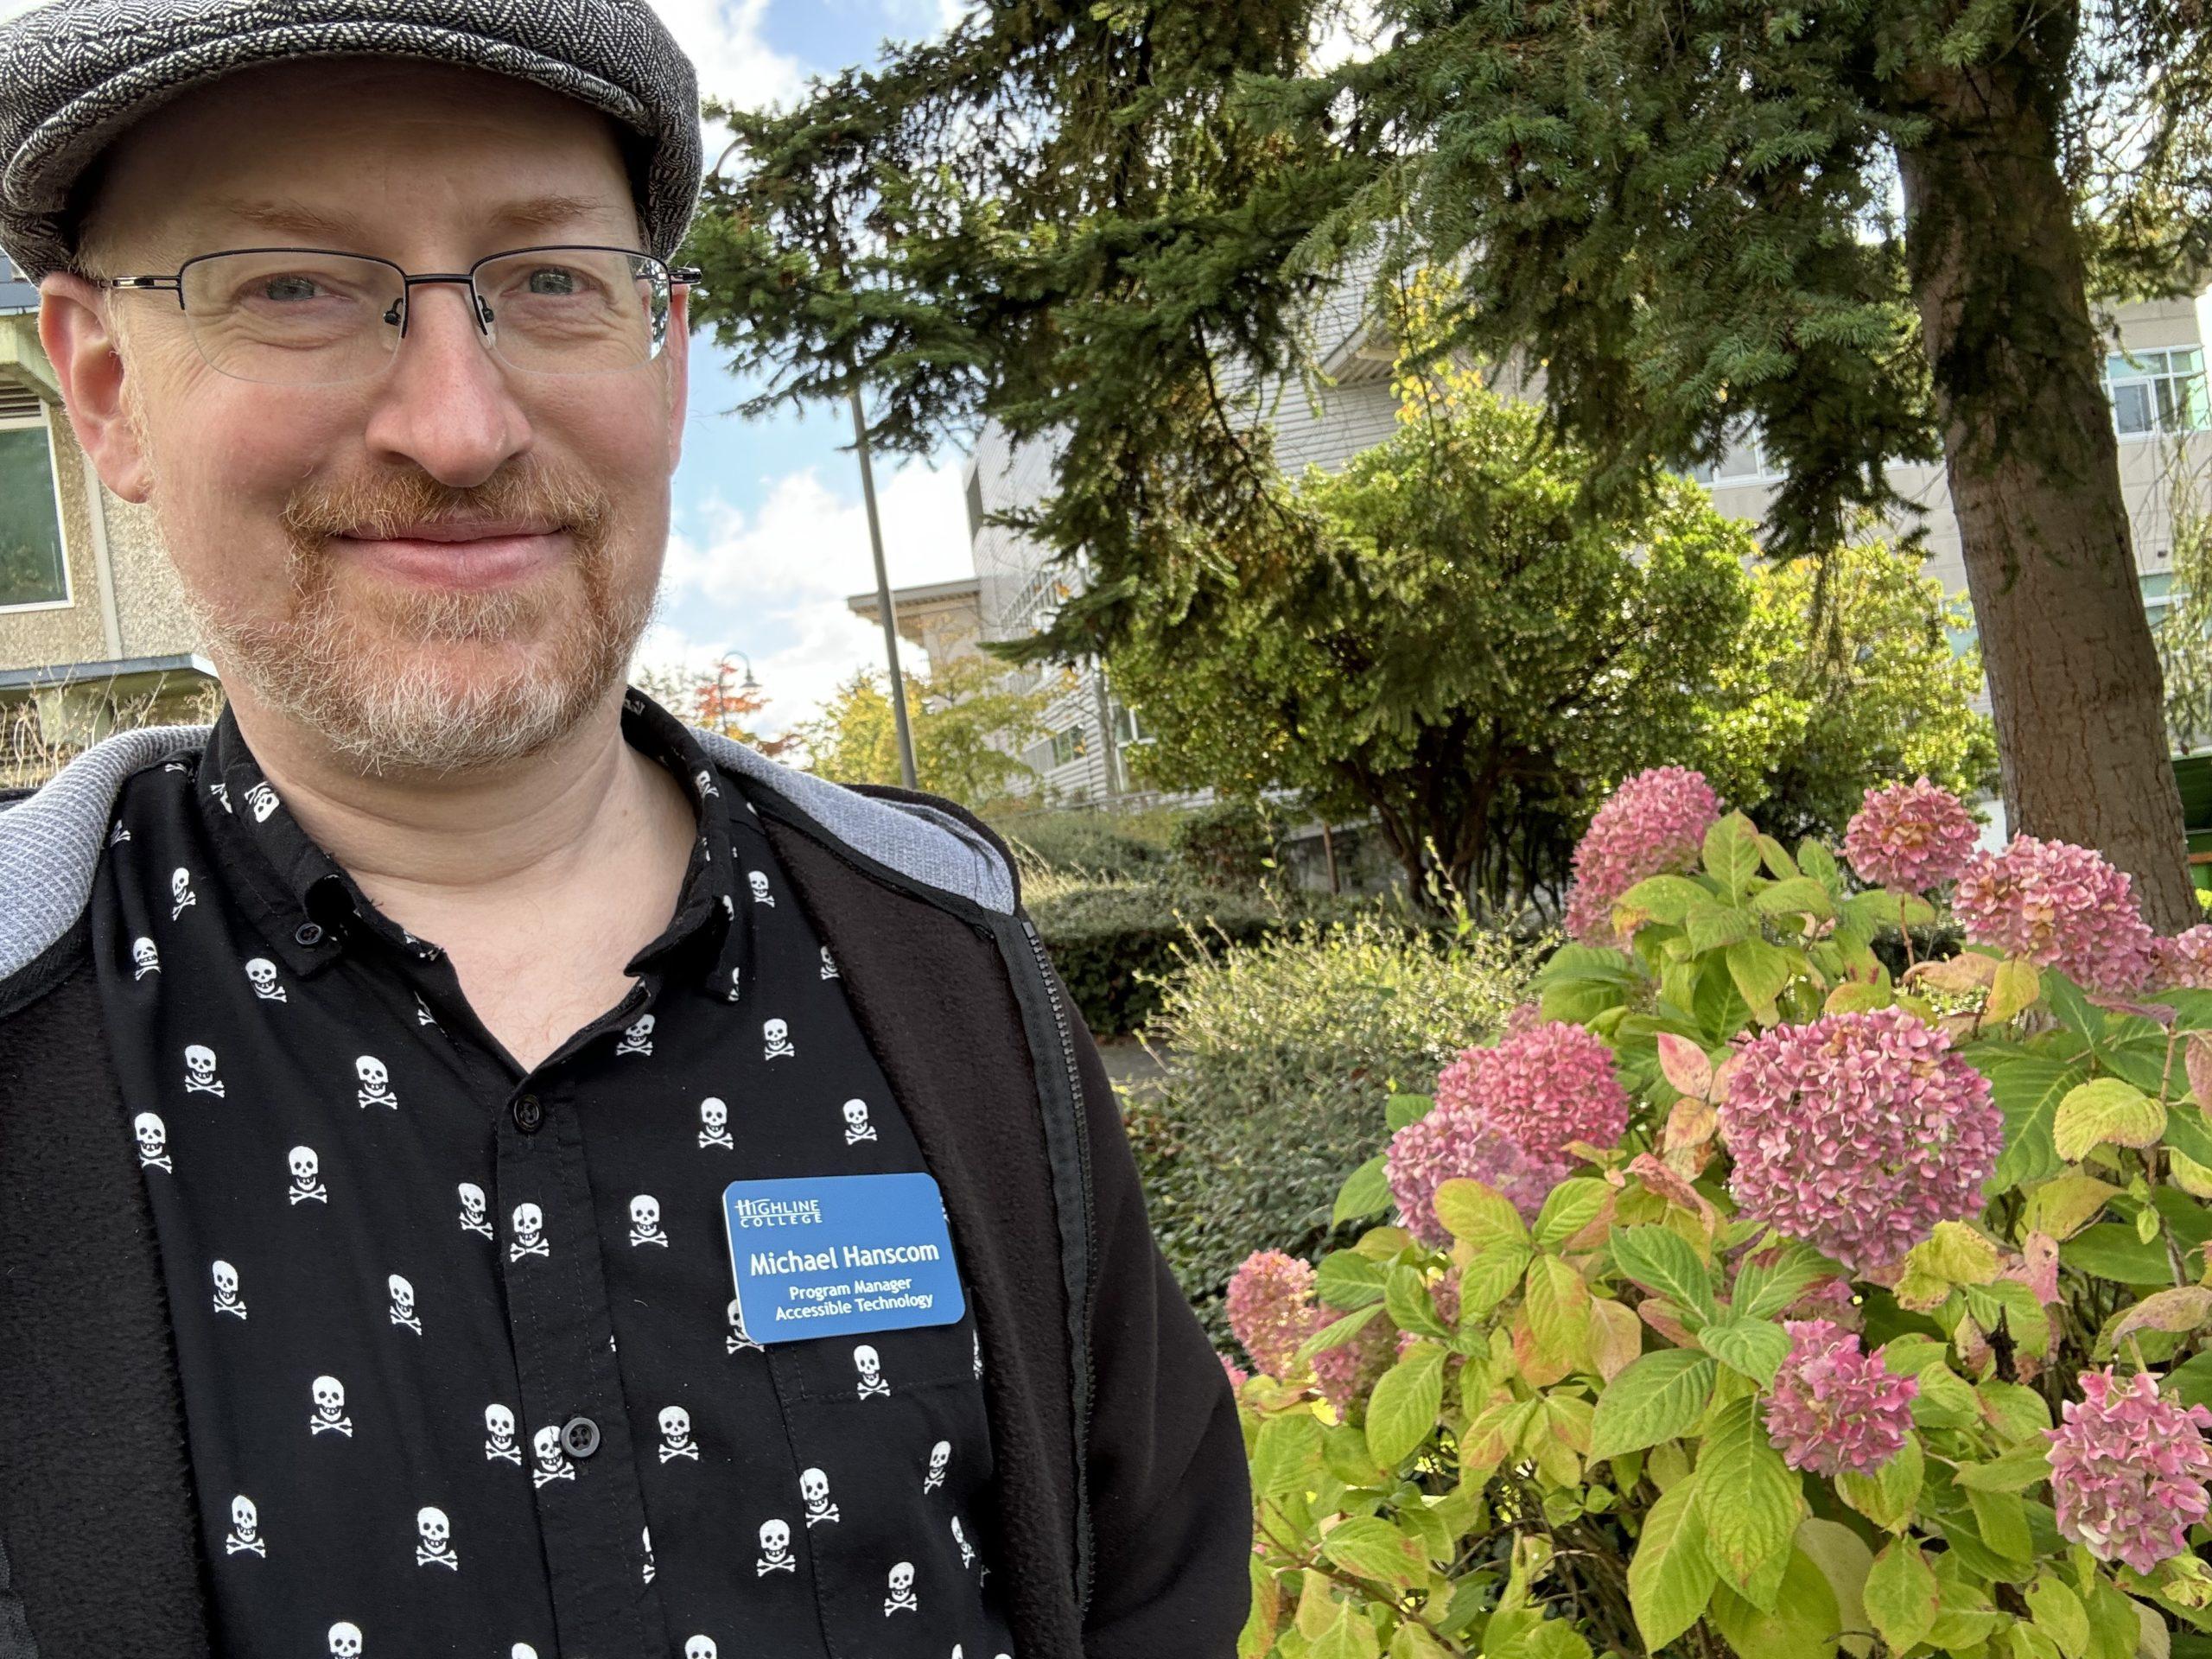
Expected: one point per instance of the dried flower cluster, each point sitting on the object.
(2185, 960)
(1910, 837)
(1653, 823)
(2128, 1470)
(1859, 1133)
(1835, 1408)
(1272, 1311)
(2061, 906)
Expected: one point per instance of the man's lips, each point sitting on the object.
(487, 561)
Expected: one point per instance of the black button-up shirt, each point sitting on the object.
(463, 1371)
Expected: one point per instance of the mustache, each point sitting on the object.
(313, 518)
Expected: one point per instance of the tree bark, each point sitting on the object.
(1997, 272)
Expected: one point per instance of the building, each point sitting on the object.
(945, 619)
(90, 619)
(2155, 375)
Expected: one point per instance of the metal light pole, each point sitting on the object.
(883, 591)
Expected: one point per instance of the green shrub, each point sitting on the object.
(1115, 845)
(1229, 844)
(1279, 1057)
(1118, 944)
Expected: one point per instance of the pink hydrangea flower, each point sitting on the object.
(1456, 1142)
(1910, 836)
(1653, 823)
(2184, 961)
(2061, 906)
(2128, 1470)
(1543, 1087)
(1238, 1376)
(1835, 1408)
(1347, 1371)
(1271, 1308)
(1857, 1133)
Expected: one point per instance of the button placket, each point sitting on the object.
(563, 1331)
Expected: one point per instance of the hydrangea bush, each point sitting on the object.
(1745, 1298)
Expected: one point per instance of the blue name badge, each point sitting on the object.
(830, 1255)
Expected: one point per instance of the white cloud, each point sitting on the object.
(774, 581)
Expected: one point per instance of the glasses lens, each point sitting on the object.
(575, 310)
(293, 319)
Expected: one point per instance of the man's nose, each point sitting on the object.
(450, 403)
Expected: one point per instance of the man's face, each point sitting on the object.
(392, 666)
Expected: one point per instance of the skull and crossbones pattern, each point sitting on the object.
(700, 1647)
(307, 1185)
(473, 1217)
(829, 964)
(244, 1536)
(145, 958)
(262, 799)
(705, 779)
(967, 1549)
(676, 1439)
(739, 1337)
(814, 1488)
(499, 1443)
(227, 1299)
(857, 1127)
(329, 1397)
(775, 1549)
(345, 1640)
(153, 1137)
(199, 1076)
(261, 974)
(940, 1459)
(902, 1599)
(736, 982)
(869, 1364)
(435, 1547)
(638, 1038)
(181, 894)
(644, 1221)
(376, 1083)
(221, 791)
(776, 1043)
(645, 1537)
(402, 1303)
(552, 1460)
(118, 835)
(530, 1233)
(714, 1124)
(757, 880)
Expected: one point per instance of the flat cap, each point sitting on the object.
(75, 74)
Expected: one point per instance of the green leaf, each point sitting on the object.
(1890, 1496)
(2103, 1111)
(1374, 1550)
(1558, 1312)
(1569, 1208)
(1663, 898)
(1406, 1296)
(2111, 1250)
(1761, 972)
(1798, 895)
(1400, 1110)
(2015, 1472)
(2186, 1133)
(1670, 1579)
(1709, 926)
(2074, 1011)
(1747, 1496)
(2003, 1520)
(2058, 1612)
(1732, 854)
(1800, 1620)
(1479, 1214)
(1348, 1280)
(1288, 1452)
(1754, 1347)
(1901, 1595)
(1351, 1637)
(1402, 1412)
(2027, 1088)
(1816, 861)
(1661, 1260)
(1656, 1397)
(1764, 1288)
(1339, 1331)
(1365, 1190)
(1491, 1278)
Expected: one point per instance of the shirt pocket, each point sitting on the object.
(870, 1367)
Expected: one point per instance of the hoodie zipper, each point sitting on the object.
(1089, 1219)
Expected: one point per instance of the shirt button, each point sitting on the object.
(528, 1115)
(308, 933)
(580, 1436)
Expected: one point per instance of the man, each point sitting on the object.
(484, 1167)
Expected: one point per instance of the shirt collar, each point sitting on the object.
(313, 908)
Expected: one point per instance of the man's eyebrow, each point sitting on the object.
(299, 218)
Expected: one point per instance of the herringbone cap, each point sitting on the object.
(74, 73)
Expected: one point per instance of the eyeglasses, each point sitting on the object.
(312, 316)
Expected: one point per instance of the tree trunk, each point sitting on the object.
(1997, 272)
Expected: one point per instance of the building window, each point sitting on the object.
(2157, 393)
(1742, 462)
(32, 569)
(1069, 744)
(1126, 729)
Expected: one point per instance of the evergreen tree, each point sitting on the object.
(1872, 227)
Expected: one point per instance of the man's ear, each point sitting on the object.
(105, 413)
